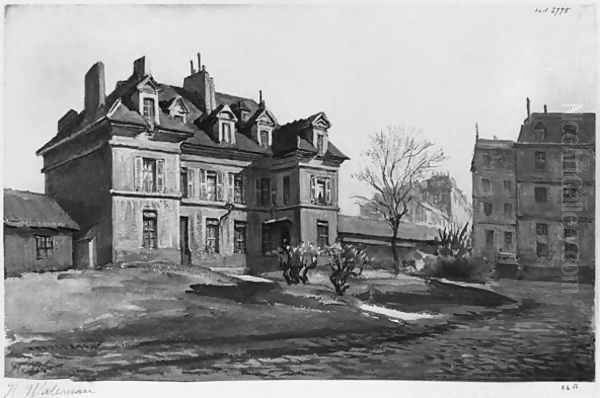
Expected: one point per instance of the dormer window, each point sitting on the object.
(149, 111)
(320, 141)
(227, 134)
(177, 110)
(264, 138)
(245, 115)
(148, 100)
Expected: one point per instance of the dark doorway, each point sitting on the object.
(184, 241)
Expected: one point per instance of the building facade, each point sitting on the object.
(155, 172)
(541, 198)
(38, 234)
(494, 198)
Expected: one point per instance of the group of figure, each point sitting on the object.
(295, 262)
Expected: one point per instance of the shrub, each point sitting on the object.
(453, 260)
(345, 261)
(466, 268)
(454, 241)
(295, 262)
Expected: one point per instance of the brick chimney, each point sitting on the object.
(202, 85)
(139, 67)
(95, 93)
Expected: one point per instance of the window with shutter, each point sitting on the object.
(273, 183)
(160, 175)
(328, 191)
(149, 175)
(183, 183)
(210, 185)
(203, 188)
(243, 188)
(239, 244)
(230, 187)
(220, 178)
(137, 174)
(313, 189)
(149, 233)
(190, 183)
(238, 189)
(212, 235)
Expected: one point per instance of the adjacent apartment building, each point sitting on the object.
(159, 172)
(536, 197)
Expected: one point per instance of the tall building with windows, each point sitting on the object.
(536, 197)
(157, 172)
(436, 202)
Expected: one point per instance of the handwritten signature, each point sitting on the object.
(555, 11)
(45, 389)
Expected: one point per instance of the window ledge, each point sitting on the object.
(195, 201)
(145, 194)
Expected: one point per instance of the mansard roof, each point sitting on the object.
(290, 138)
(120, 108)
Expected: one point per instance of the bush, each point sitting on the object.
(466, 269)
(345, 261)
(295, 262)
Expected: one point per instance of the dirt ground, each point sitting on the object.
(105, 324)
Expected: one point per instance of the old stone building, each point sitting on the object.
(157, 172)
(536, 197)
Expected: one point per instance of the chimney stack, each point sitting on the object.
(476, 131)
(191, 67)
(202, 85)
(528, 107)
(139, 67)
(95, 92)
(545, 108)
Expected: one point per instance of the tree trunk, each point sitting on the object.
(395, 250)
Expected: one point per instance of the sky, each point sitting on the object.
(441, 68)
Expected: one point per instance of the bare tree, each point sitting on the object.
(396, 161)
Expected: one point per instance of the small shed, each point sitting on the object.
(38, 233)
(376, 236)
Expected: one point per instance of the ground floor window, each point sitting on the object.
(149, 236)
(541, 249)
(239, 244)
(322, 234)
(44, 246)
(212, 235)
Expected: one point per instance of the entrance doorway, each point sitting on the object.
(184, 242)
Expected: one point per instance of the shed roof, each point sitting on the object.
(370, 227)
(31, 209)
